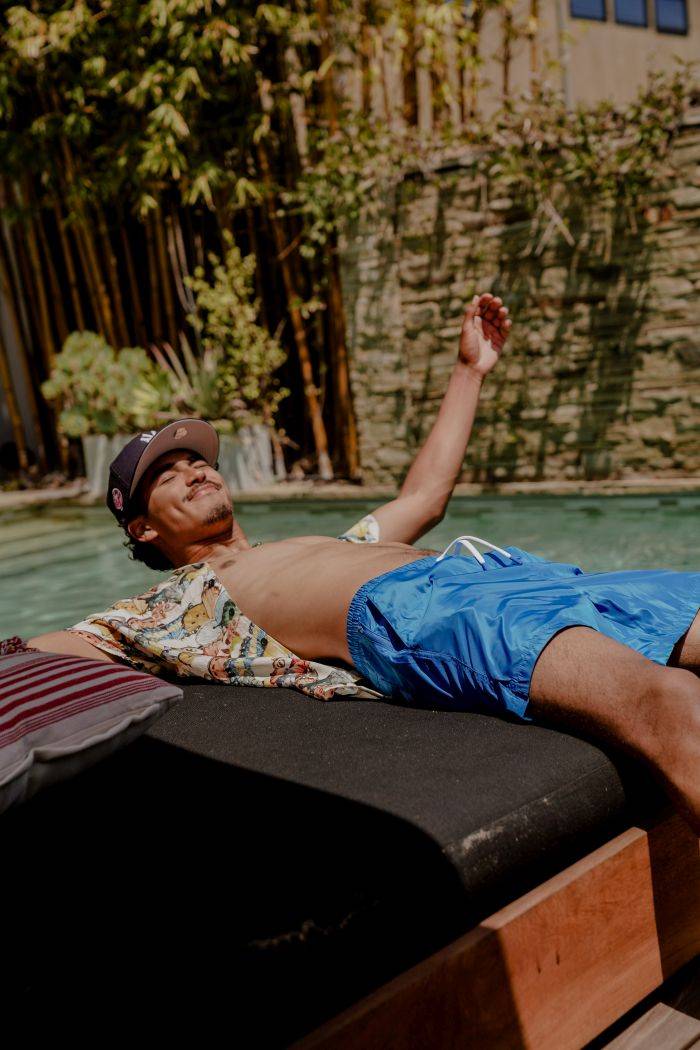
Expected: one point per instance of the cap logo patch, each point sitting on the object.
(181, 432)
(147, 435)
(117, 499)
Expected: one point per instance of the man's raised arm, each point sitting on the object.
(428, 486)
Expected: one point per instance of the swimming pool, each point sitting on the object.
(59, 563)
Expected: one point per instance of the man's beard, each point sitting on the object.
(220, 512)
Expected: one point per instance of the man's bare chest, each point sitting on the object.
(299, 590)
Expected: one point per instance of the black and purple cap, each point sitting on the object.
(127, 469)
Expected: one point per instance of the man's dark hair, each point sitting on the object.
(140, 550)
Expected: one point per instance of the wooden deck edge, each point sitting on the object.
(553, 969)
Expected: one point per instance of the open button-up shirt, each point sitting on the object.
(188, 625)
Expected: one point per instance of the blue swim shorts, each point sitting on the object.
(464, 632)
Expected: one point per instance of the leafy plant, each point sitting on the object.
(193, 388)
(96, 385)
(226, 323)
(593, 160)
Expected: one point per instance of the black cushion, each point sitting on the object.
(297, 851)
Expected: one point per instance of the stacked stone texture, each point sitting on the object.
(601, 379)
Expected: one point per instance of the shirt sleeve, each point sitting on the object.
(114, 631)
(366, 530)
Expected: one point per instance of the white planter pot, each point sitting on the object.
(246, 459)
(98, 452)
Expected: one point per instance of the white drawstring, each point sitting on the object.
(465, 542)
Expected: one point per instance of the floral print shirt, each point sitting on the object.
(190, 626)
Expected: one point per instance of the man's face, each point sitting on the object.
(185, 499)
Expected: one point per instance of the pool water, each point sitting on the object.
(59, 563)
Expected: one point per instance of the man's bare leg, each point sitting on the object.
(585, 680)
(687, 652)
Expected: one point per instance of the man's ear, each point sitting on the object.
(139, 529)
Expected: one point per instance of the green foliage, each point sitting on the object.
(195, 388)
(226, 322)
(132, 101)
(351, 166)
(96, 386)
(556, 162)
(126, 100)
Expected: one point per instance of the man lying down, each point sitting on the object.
(476, 627)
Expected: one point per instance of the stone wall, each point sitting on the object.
(602, 376)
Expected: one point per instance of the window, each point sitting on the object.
(671, 16)
(631, 12)
(588, 9)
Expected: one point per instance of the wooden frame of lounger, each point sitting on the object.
(553, 969)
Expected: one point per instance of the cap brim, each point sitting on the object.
(195, 434)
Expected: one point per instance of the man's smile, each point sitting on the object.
(208, 485)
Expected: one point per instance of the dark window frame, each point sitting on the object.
(669, 31)
(620, 20)
(590, 18)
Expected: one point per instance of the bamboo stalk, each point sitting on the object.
(340, 375)
(341, 369)
(8, 295)
(178, 262)
(56, 292)
(70, 268)
(12, 406)
(85, 228)
(310, 390)
(164, 274)
(121, 330)
(379, 102)
(88, 278)
(255, 249)
(366, 66)
(37, 286)
(156, 311)
(452, 76)
(330, 104)
(424, 87)
(471, 70)
(15, 277)
(92, 273)
(408, 70)
(534, 30)
(134, 292)
(297, 104)
(25, 250)
(92, 270)
(508, 33)
(391, 74)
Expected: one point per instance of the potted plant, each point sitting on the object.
(106, 395)
(95, 387)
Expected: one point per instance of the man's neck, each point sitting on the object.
(230, 541)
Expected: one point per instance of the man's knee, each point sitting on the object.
(671, 684)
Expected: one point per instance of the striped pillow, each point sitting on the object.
(60, 714)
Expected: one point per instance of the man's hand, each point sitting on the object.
(484, 331)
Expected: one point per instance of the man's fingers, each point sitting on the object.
(491, 308)
(484, 300)
(470, 312)
(493, 315)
